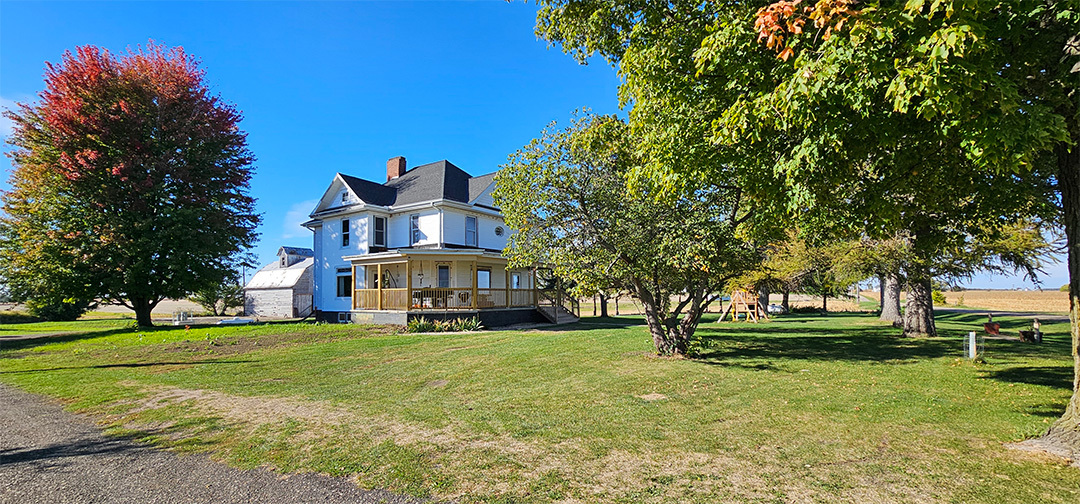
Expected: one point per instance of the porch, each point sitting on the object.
(439, 281)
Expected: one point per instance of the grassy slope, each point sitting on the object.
(799, 409)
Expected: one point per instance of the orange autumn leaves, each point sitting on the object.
(777, 23)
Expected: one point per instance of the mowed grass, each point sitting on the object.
(799, 409)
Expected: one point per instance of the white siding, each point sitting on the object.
(429, 228)
(454, 227)
(486, 228)
(485, 197)
(331, 254)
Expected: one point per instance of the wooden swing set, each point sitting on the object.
(745, 303)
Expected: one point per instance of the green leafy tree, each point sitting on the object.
(566, 195)
(130, 182)
(219, 299)
(938, 119)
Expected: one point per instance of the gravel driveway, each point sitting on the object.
(50, 456)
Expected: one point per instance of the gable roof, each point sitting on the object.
(430, 182)
(477, 185)
(273, 276)
(300, 251)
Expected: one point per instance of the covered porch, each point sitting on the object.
(439, 281)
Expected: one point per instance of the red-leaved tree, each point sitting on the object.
(130, 182)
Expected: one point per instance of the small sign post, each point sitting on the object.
(973, 350)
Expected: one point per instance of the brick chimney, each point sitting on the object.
(395, 167)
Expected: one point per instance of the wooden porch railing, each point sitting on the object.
(442, 298)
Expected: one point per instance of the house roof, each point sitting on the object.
(273, 276)
(300, 251)
(430, 182)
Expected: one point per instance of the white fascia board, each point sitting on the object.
(401, 254)
(446, 203)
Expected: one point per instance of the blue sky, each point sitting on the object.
(343, 86)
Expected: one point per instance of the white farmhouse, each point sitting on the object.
(426, 242)
(283, 288)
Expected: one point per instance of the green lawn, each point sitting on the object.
(798, 409)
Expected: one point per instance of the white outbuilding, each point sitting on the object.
(283, 288)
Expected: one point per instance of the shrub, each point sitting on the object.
(1064, 288)
(422, 324)
(55, 308)
(14, 317)
(469, 324)
(938, 297)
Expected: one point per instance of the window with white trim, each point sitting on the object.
(414, 229)
(379, 237)
(344, 282)
(345, 232)
(470, 231)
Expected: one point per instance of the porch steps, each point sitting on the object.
(557, 314)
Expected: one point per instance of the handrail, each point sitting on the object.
(443, 298)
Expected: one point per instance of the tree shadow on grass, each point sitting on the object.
(1060, 377)
(31, 341)
(128, 365)
(746, 346)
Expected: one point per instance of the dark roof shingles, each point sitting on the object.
(429, 182)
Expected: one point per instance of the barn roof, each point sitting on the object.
(300, 251)
(273, 276)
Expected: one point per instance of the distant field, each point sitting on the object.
(1047, 301)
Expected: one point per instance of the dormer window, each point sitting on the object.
(284, 261)
(344, 197)
(470, 231)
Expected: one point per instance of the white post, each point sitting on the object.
(972, 353)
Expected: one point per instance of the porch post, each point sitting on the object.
(506, 284)
(352, 288)
(408, 284)
(379, 304)
(475, 277)
(535, 301)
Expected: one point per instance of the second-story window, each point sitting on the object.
(414, 229)
(470, 231)
(345, 232)
(379, 238)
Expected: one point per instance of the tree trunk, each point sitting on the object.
(1066, 430)
(603, 305)
(824, 303)
(763, 299)
(617, 296)
(919, 312)
(142, 308)
(881, 289)
(785, 303)
(890, 299)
